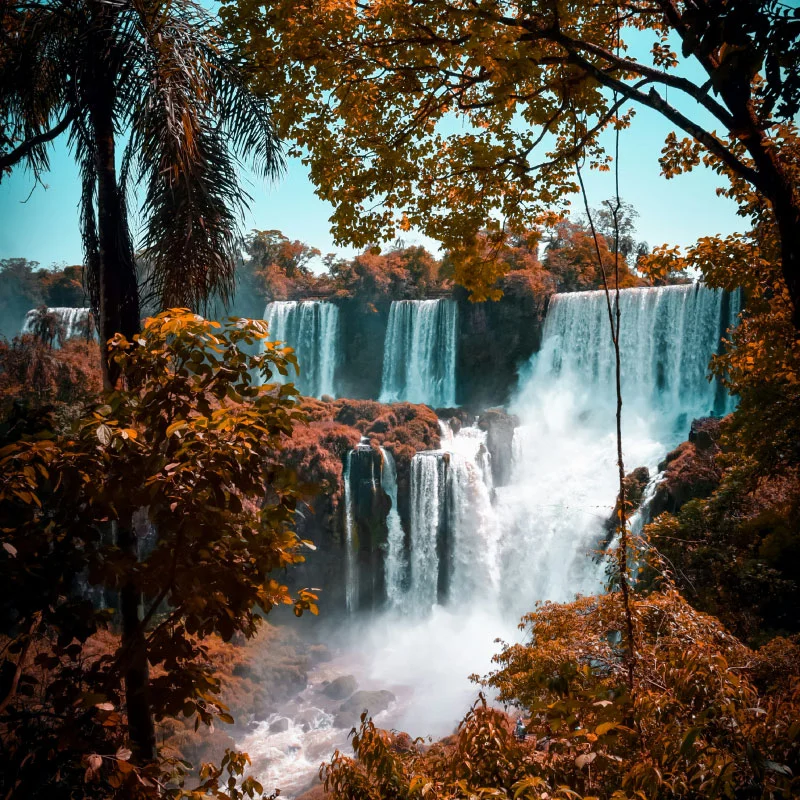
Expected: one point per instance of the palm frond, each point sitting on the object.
(188, 139)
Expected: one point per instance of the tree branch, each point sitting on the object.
(9, 160)
(23, 654)
(654, 101)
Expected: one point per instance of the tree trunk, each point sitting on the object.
(119, 313)
(119, 297)
(134, 663)
(788, 219)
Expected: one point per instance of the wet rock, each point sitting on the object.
(373, 702)
(309, 718)
(319, 653)
(499, 427)
(403, 743)
(704, 433)
(342, 687)
(690, 470)
(635, 484)
(279, 725)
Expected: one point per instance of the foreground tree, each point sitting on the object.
(155, 75)
(186, 447)
(368, 91)
(713, 719)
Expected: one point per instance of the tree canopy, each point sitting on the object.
(453, 116)
(186, 449)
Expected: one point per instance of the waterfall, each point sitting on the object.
(419, 353)
(73, 321)
(311, 327)
(350, 541)
(564, 481)
(667, 337)
(533, 539)
(428, 475)
(472, 519)
(396, 565)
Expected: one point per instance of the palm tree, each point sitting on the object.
(154, 80)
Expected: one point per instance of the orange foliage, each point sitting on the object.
(317, 451)
(32, 371)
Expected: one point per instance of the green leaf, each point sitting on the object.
(689, 739)
(104, 435)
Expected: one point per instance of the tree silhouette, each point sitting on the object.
(150, 96)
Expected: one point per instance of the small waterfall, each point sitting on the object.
(419, 353)
(472, 519)
(74, 322)
(396, 564)
(428, 476)
(311, 327)
(350, 541)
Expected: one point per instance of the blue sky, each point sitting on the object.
(41, 223)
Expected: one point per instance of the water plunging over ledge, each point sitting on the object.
(419, 353)
(478, 555)
(311, 327)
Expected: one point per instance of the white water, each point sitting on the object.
(534, 538)
(73, 321)
(350, 554)
(311, 327)
(396, 565)
(428, 475)
(419, 353)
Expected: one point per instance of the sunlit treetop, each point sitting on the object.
(453, 117)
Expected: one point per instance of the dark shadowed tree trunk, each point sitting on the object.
(119, 301)
(119, 313)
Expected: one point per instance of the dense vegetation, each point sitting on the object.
(279, 269)
(146, 510)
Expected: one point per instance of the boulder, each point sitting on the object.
(341, 687)
(635, 483)
(499, 427)
(690, 470)
(373, 702)
(279, 725)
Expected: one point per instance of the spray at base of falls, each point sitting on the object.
(503, 548)
(311, 327)
(419, 354)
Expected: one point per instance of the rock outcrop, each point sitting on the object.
(690, 470)
(499, 427)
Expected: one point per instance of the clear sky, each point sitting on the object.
(41, 223)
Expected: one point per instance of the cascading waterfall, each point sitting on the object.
(472, 520)
(311, 327)
(428, 476)
(350, 544)
(533, 538)
(667, 337)
(476, 556)
(74, 322)
(396, 565)
(419, 353)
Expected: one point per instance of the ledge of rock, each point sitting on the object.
(372, 702)
(690, 470)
